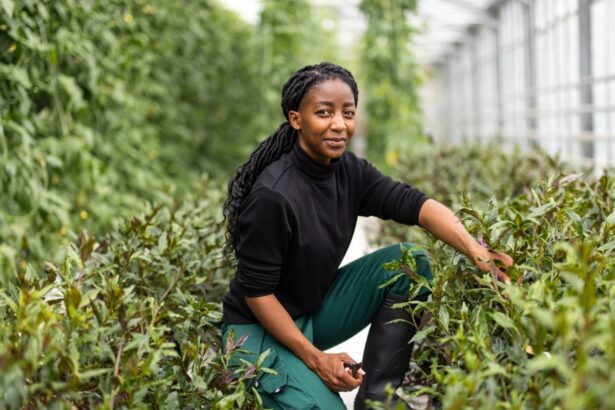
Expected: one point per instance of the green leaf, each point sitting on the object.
(8, 6)
(268, 370)
(390, 281)
(172, 401)
(262, 357)
(609, 246)
(162, 242)
(444, 317)
(72, 90)
(502, 320)
(547, 362)
(10, 302)
(93, 373)
(16, 74)
(390, 322)
(228, 401)
(541, 210)
(422, 334)
(494, 368)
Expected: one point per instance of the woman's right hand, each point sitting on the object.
(330, 368)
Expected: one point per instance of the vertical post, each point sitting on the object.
(477, 103)
(453, 117)
(585, 68)
(530, 71)
(446, 101)
(498, 74)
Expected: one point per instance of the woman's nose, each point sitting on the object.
(338, 123)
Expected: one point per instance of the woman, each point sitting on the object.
(291, 211)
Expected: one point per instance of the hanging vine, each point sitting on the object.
(391, 78)
(291, 34)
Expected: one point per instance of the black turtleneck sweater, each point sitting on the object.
(296, 224)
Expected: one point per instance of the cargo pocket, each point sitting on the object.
(272, 383)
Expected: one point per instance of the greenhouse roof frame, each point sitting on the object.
(443, 23)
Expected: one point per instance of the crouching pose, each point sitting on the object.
(291, 212)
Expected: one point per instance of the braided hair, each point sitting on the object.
(278, 143)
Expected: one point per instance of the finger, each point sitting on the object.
(346, 358)
(348, 381)
(339, 386)
(357, 381)
(502, 257)
(335, 383)
(502, 276)
(340, 371)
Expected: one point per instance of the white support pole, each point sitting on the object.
(586, 72)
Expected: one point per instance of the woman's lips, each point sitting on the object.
(336, 143)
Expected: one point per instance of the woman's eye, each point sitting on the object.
(323, 112)
(349, 113)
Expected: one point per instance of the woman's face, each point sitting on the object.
(325, 120)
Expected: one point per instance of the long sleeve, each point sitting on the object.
(296, 225)
(265, 231)
(386, 198)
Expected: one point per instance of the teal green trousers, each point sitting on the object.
(350, 304)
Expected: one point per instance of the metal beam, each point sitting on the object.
(530, 62)
(585, 71)
(498, 73)
(481, 14)
(476, 84)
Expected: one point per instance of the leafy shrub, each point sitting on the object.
(474, 174)
(545, 341)
(391, 77)
(126, 321)
(107, 104)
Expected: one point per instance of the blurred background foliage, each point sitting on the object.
(106, 105)
(391, 78)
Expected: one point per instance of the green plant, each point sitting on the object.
(546, 340)
(127, 321)
(106, 105)
(391, 78)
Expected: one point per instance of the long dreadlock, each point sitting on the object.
(278, 143)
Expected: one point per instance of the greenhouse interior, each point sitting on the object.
(531, 72)
(254, 204)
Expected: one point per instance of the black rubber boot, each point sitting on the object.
(387, 351)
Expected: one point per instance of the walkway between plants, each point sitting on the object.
(354, 346)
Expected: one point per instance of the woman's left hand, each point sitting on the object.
(442, 222)
(485, 259)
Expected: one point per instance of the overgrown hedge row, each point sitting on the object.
(106, 104)
(391, 78)
(127, 320)
(546, 341)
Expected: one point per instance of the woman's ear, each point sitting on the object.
(294, 119)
